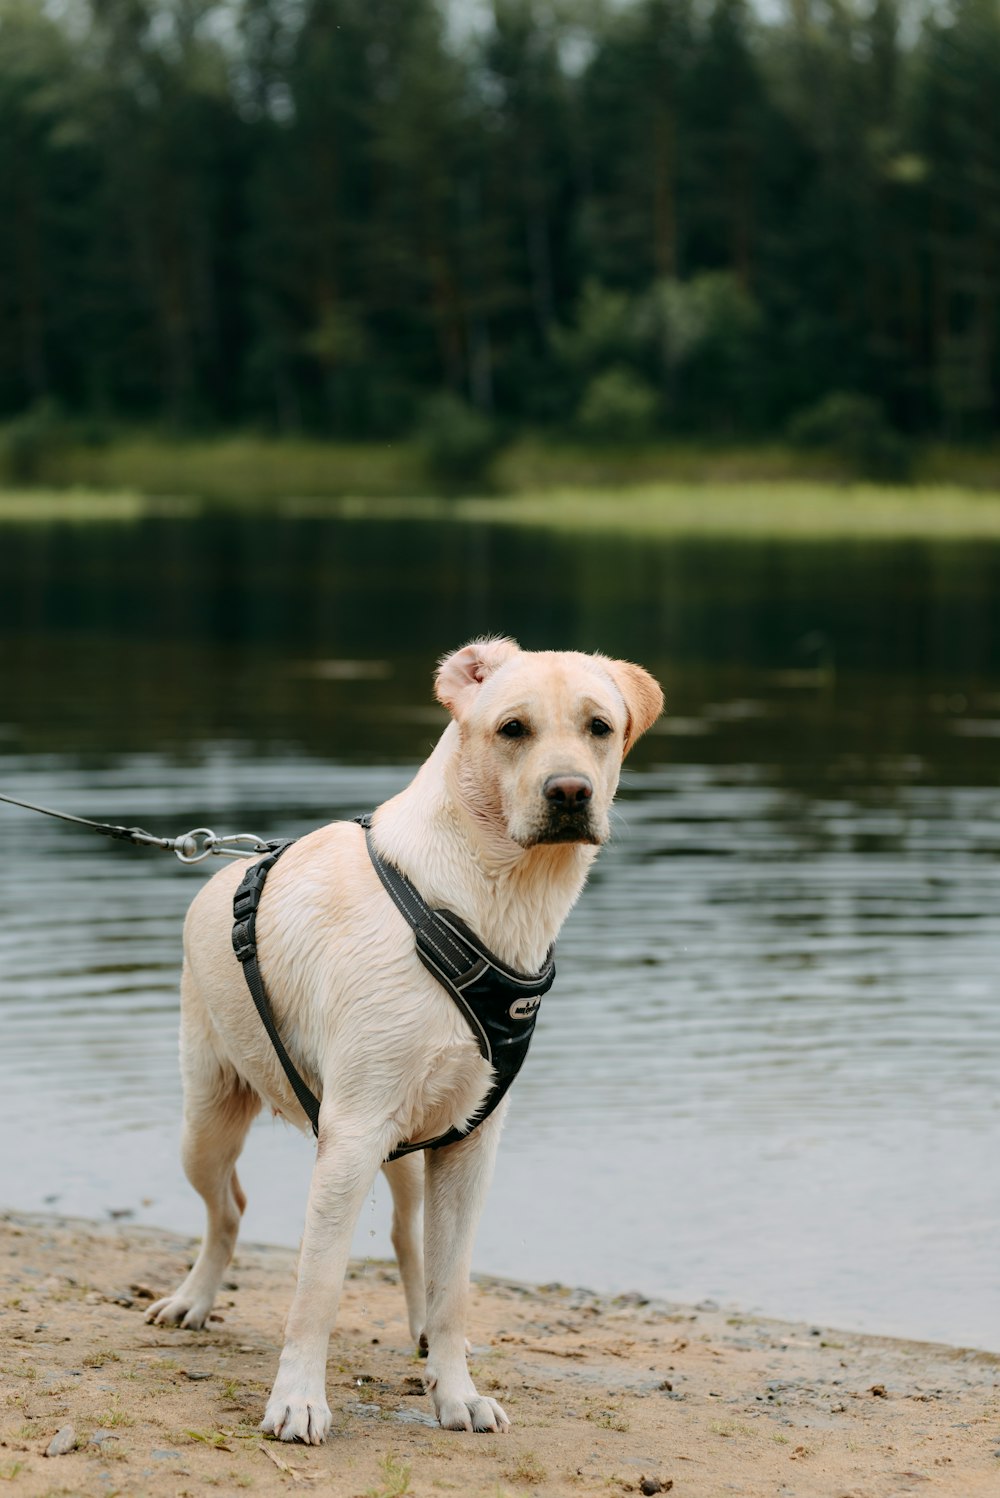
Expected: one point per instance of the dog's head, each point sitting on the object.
(543, 735)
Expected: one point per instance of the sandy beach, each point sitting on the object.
(605, 1395)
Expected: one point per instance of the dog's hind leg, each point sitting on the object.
(458, 1177)
(406, 1181)
(218, 1111)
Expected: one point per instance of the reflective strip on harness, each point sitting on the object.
(499, 1003)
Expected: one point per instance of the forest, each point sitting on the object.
(349, 218)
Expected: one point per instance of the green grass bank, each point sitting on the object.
(789, 510)
(249, 468)
(656, 490)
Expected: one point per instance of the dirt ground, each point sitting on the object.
(605, 1396)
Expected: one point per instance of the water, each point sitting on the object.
(769, 1070)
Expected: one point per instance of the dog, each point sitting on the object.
(499, 826)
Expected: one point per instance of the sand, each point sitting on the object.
(606, 1395)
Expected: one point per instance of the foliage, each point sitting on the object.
(458, 443)
(617, 406)
(26, 441)
(310, 216)
(854, 427)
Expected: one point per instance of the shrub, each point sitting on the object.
(25, 441)
(458, 443)
(617, 406)
(855, 428)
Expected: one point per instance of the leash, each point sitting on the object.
(189, 847)
(499, 1004)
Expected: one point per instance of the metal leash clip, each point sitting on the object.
(202, 842)
(190, 847)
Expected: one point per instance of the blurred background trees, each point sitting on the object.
(617, 221)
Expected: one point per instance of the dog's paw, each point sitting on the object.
(474, 1413)
(297, 1419)
(179, 1310)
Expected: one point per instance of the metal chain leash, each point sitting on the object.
(189, 847)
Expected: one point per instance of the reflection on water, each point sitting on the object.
(768, 1071)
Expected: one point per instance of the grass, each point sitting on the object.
(656, 491)
(730, 1428)
(100, 1357)
(248, 468)
(396, 1474)
(41, 506)
(528, 1469)
(608, 1419)
(795, 511)
(114, 1416)
(242, 468)
(217, 1438)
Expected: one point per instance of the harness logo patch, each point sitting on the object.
(524, 1008)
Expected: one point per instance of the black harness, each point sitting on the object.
(500, 1005)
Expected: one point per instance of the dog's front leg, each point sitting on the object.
(347, 1159)
(458, 1178)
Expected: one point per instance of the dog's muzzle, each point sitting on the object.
(567, 815)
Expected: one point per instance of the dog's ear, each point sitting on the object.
(464, 670)
(642, 693)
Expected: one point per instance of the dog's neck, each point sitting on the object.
(459, 857)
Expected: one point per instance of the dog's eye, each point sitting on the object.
(513, 729)
(599, 728)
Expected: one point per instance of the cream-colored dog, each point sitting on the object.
(500, 826)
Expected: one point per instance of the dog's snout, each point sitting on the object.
(568, 790)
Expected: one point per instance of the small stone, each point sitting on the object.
(650, 1485)
(878, 1391)
(62, 1442)
(196, 1373)
(666, 1386)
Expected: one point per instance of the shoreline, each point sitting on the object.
(602, 1391)
(813, 512)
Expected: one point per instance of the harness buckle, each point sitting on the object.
(243, 941)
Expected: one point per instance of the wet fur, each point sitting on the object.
(370, 1030)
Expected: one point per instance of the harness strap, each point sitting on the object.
(499, 1004)
(245, 903)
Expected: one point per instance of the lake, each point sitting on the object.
(768, 1072)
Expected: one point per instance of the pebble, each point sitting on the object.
(62, 1442)
(195, 1373)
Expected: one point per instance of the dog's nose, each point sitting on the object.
(568, 790)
